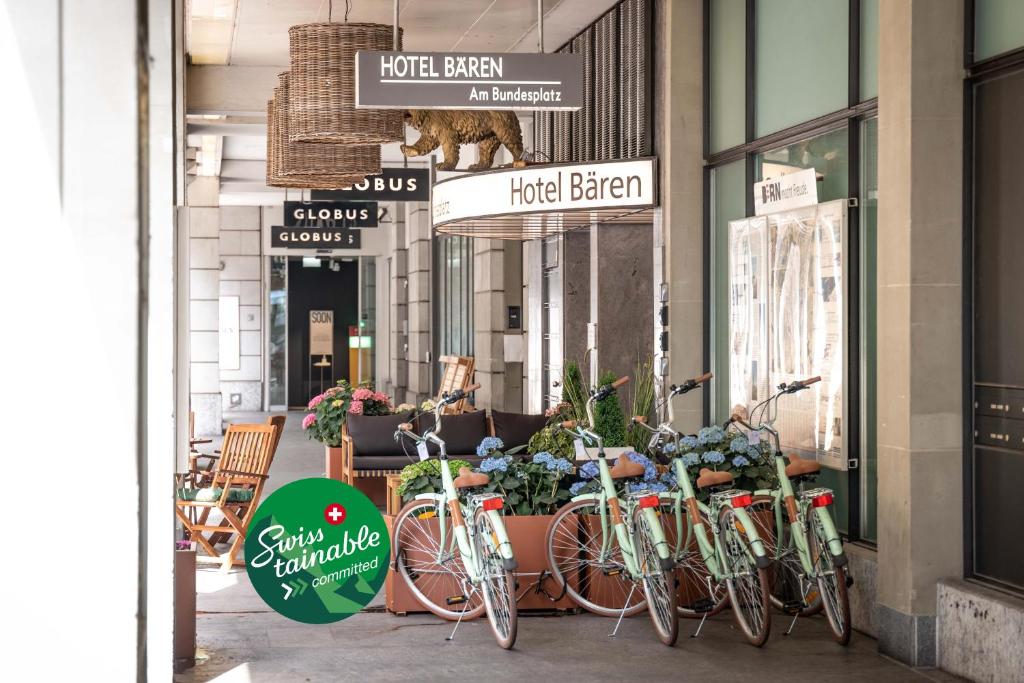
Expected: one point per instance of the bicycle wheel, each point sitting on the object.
(587, 565)
(790, 593)
(747, 585)
(498, 583)
(434, 575)
(831, 583)
(659, 584)
(698, 593)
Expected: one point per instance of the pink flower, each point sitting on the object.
(308, 421)
(362, 393)
(381, 396)
(315, 401)
(356, 408)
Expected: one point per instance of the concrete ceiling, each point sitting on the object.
(249, 34)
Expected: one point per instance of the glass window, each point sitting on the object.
(868, 49)
(998, 27)
(828, 154)
(728, 202)
(868, 329)
(801, 61)
(455, 296)
(727, 67)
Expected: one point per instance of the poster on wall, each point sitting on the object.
(787, 321)
(321, 333)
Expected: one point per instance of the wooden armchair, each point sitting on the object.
(200, 465)
(235, 488)
(458, 374)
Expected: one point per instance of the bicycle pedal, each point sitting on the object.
(611, 572)
(456, 600)
(792, 606)
(703, 605)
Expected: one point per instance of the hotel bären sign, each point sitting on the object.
(464, 80)
(546, 188)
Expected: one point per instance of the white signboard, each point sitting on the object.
(321, 333)
(228, 334)
(546, 188)
(786, 192)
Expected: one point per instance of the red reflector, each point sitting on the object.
(822, 500)
(741, 501)
(649, 501)
(494, 504)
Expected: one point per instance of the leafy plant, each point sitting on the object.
(722, 451)
(534, 487)
(637, 437)
(328, 413)
(551, 440)
(609, 422)
(573, 392)
(425, 477)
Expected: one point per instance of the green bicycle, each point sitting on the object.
(438, 554)
(602, 547)
(810, 565)
(733, 561)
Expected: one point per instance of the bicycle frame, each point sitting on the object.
(448, 503)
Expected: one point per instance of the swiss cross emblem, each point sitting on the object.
(334, 514)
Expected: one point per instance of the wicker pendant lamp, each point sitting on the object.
(277, 143)
(321, 97)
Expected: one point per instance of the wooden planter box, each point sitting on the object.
(527, 535)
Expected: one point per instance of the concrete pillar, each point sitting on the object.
(204, 270)
(678, 120)
(625, 317)
(920, 455)
(417, 225)
(489, 322)
(242, 276)
(399, 314)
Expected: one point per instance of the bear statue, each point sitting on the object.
(449, 129)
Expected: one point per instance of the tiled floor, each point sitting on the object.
(242, 640)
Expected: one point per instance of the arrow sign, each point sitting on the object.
(287, 590)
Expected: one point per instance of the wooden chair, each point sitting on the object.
(236, 485)
(200, 465)
(457, 374)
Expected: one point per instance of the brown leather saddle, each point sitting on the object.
(468, 479)
(624, 468)
(712, 478)
(801, 467)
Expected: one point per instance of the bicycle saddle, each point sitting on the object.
(468, 479)
(711, 478)
(624, 468)
(799, 467)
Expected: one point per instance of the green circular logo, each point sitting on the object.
(317, 551)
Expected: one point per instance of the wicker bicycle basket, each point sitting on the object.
(322, 87)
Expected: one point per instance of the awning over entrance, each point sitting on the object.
(543, 200)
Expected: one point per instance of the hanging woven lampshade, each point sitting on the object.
(323, 158)
(322, 87)
(277, 141)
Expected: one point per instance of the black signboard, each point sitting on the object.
(306, 237)
(392, 185)
(331, 214)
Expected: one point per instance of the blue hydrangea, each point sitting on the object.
(494, 464)
(740, 461)
(710, 435)
(490, 443)
(542, 458)
(589, 470)
(753, 452)
(739, 444)
(669, 478)
(689, 442)
(714, 457)
(690, 459)
(560, 465)
(575, 488)
(656, 487)
(650, 471)
(669, 447)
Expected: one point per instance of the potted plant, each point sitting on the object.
(609, 422)
(328, 412)
(550, 439)
(719, 450)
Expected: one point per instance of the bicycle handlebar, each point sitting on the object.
(620, 381)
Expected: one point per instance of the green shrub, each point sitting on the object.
(609, 421)
(573, 391)
(557, 443)
(425, 477)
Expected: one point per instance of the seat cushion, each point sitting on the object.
(515, 429)
(461, 433)
(210, 495)
(374, 435)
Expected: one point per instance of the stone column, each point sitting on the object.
(678, 120)
(399, 284)
(203, 219)
(417, 225)
(489, 322)
(920, 453)
(242, 276)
